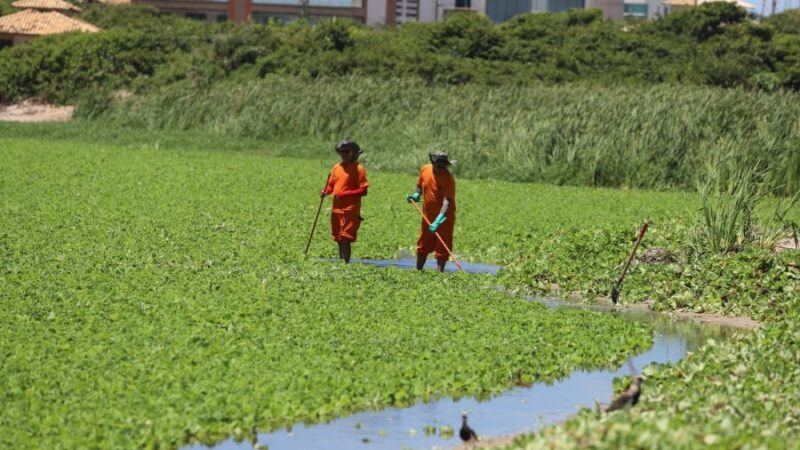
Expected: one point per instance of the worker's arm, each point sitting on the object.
(329, 188)
(445, 207)
(440, 219)
(360, 192)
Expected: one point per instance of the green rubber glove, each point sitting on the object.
(415, 196)
(437, 223)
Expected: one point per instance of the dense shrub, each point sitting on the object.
(242, 45)
(701, 23)
(713, 44)
(466, 35)
(127, 16)
(787, 22)
(56, 68)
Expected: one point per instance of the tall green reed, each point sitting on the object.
(729, 198)
(644, 137)
(737, 206)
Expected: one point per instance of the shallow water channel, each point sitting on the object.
(521, 409)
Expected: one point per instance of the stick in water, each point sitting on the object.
(615, 289)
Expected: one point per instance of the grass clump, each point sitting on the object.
(734, 189)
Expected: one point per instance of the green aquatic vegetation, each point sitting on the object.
(755, 282)
(446, 432)
(152, 298)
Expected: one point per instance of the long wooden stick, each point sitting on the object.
(455, 261)
(618, 284)
(314, 227)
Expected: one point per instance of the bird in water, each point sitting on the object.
(628, 398)
(466, 433)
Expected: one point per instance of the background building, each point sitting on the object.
(262, 10)
(377, 12)
(497, 10)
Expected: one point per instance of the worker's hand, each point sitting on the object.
(415, 196)
(437, 223)
(327, 191)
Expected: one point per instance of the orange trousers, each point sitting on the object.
(344, 227)
(428, 242)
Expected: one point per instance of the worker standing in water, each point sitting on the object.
(348, 183)
(436, 187)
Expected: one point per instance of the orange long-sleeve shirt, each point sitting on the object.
(347, 177)
(435, 188)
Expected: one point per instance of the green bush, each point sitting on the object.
(57, 68)
(702, 22)
(466, 35)
(242, 45)
(128, 16)
(714, 44)
(787, 22)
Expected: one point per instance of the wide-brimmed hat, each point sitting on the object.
(440, 156)
(347, 143)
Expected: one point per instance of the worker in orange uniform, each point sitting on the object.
(437, 189)
(348, 183)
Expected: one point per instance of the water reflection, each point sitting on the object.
(410, 263)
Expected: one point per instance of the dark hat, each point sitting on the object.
(440, 156)
(347, 143)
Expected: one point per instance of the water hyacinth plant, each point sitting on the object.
(153, 298)
(157, 295)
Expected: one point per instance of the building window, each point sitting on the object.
(6, 43)
(502, 10)
(563, 5)
(406, 11)
(635, 10)
(330, 3)
(196, 16)
(222, 18)
(463, 3)
(265, 18)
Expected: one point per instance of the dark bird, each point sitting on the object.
(466, 433)
(628, 398)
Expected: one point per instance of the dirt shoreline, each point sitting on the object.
(31, 112)
(717, 319)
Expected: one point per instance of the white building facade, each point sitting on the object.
(403, 11)
(391, 12)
